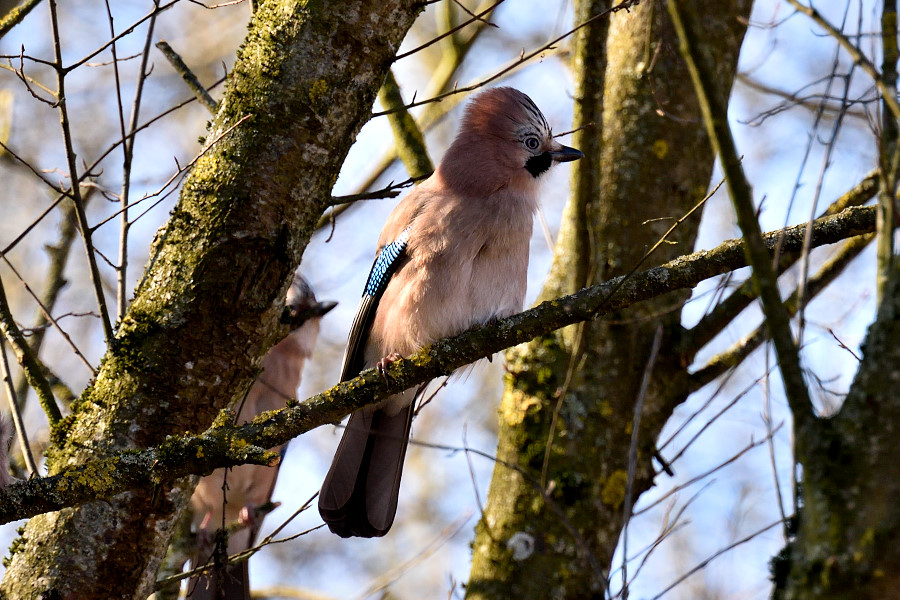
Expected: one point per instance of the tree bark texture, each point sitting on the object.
(208, 306)
(550, 527)
(847, 528)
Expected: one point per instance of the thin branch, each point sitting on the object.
(182, 171)
(726, 311)
(633, 452)
(157, 9)
(475, 18)
(128, 148)
(716, 555)
(889, 151)
(889, 97)
(734, 457)
(89, 170)
(45, 312)
(73, 178)
(767, 420)
(743, 348)
(126, 159)
(16, 412)
(188, 76)
(225, 446)
(794, 99)
(713, 106)
(27, 360)
(15, 16)
(523, 58)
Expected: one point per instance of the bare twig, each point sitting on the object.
(633, 451)
(750, 446)
(27, 360)
(45, 311)
(73, 177)
(711, 558)
(157, 9)
(889, 98)
(523, 58)
(16, 412)
(714, 109)
(128, 149)
(767, 420)
(188, 76)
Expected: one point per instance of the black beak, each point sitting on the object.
(296, 317)
(566, 154)
(321, 308)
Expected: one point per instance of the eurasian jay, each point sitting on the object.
(452, 255)
(232, 497)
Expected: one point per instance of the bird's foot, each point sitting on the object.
(382, 365)
(247, 516)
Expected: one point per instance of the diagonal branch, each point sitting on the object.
(27, 360)
(889, 97)
(225, 445)
(728, 309)
(73, 177)
(733, 356)
(713, 105)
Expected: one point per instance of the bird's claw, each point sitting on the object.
(247, 516)
(382, 365)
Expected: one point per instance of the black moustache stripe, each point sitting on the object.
(536, 165)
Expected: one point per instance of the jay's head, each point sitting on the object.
(303, 312)
(505, 134)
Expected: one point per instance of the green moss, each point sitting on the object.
(94, 475)
(613, 492)
(18, 545)
(317, 91)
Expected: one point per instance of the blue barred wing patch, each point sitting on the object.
(385, 265)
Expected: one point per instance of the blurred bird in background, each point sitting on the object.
(452, 255)
(232, 498)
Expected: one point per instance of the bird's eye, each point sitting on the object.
(532, 143)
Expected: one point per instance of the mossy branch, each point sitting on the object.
(27, 360)
(407, 136)
(713, 105)
(15, 16)
(889, 149)
(224, 445)
(188, 76)
(736, 354)
(728, 309)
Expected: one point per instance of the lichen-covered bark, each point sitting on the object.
(654, 162)
(848, 526)
(208, 305)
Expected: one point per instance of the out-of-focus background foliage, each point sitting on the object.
(795, 154)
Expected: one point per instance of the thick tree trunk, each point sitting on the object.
(582, 384)
(848, 526)
(208, 306)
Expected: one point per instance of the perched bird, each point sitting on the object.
(230, 498)
(453, 254)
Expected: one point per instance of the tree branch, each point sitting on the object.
(224, 445)
(728, 309)
(713, 104)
